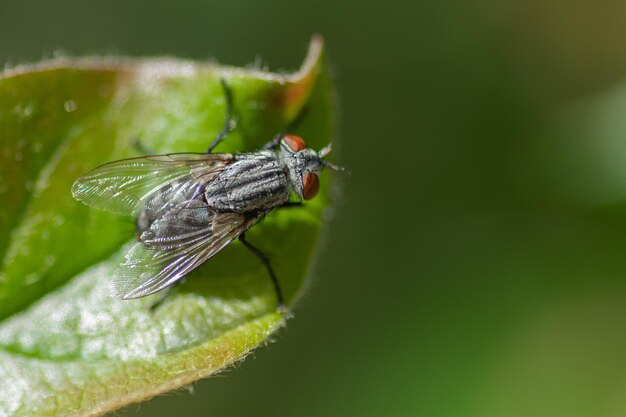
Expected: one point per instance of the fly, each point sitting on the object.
(189, 206)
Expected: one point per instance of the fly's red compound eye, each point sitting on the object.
(295, 143)
(310, 185)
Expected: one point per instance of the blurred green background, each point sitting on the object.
(475, 265)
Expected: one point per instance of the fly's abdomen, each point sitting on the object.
(254, 182)
(167, 198)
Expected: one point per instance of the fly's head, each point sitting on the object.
(303, 165)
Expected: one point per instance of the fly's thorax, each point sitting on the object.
(254, 182)
(302, 166)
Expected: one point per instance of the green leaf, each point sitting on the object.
(66, 346)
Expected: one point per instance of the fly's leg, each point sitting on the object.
(263, 257)
(289, 204)
(140, 147)
(229, 121)
(272, 143)
(292, 127)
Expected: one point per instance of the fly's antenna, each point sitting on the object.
(325, 151)
(333, 167)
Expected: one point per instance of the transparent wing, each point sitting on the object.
(174, 245)
(126, 186)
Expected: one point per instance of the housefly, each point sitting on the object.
(189, 206)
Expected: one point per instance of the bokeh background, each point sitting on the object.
(476, 262)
